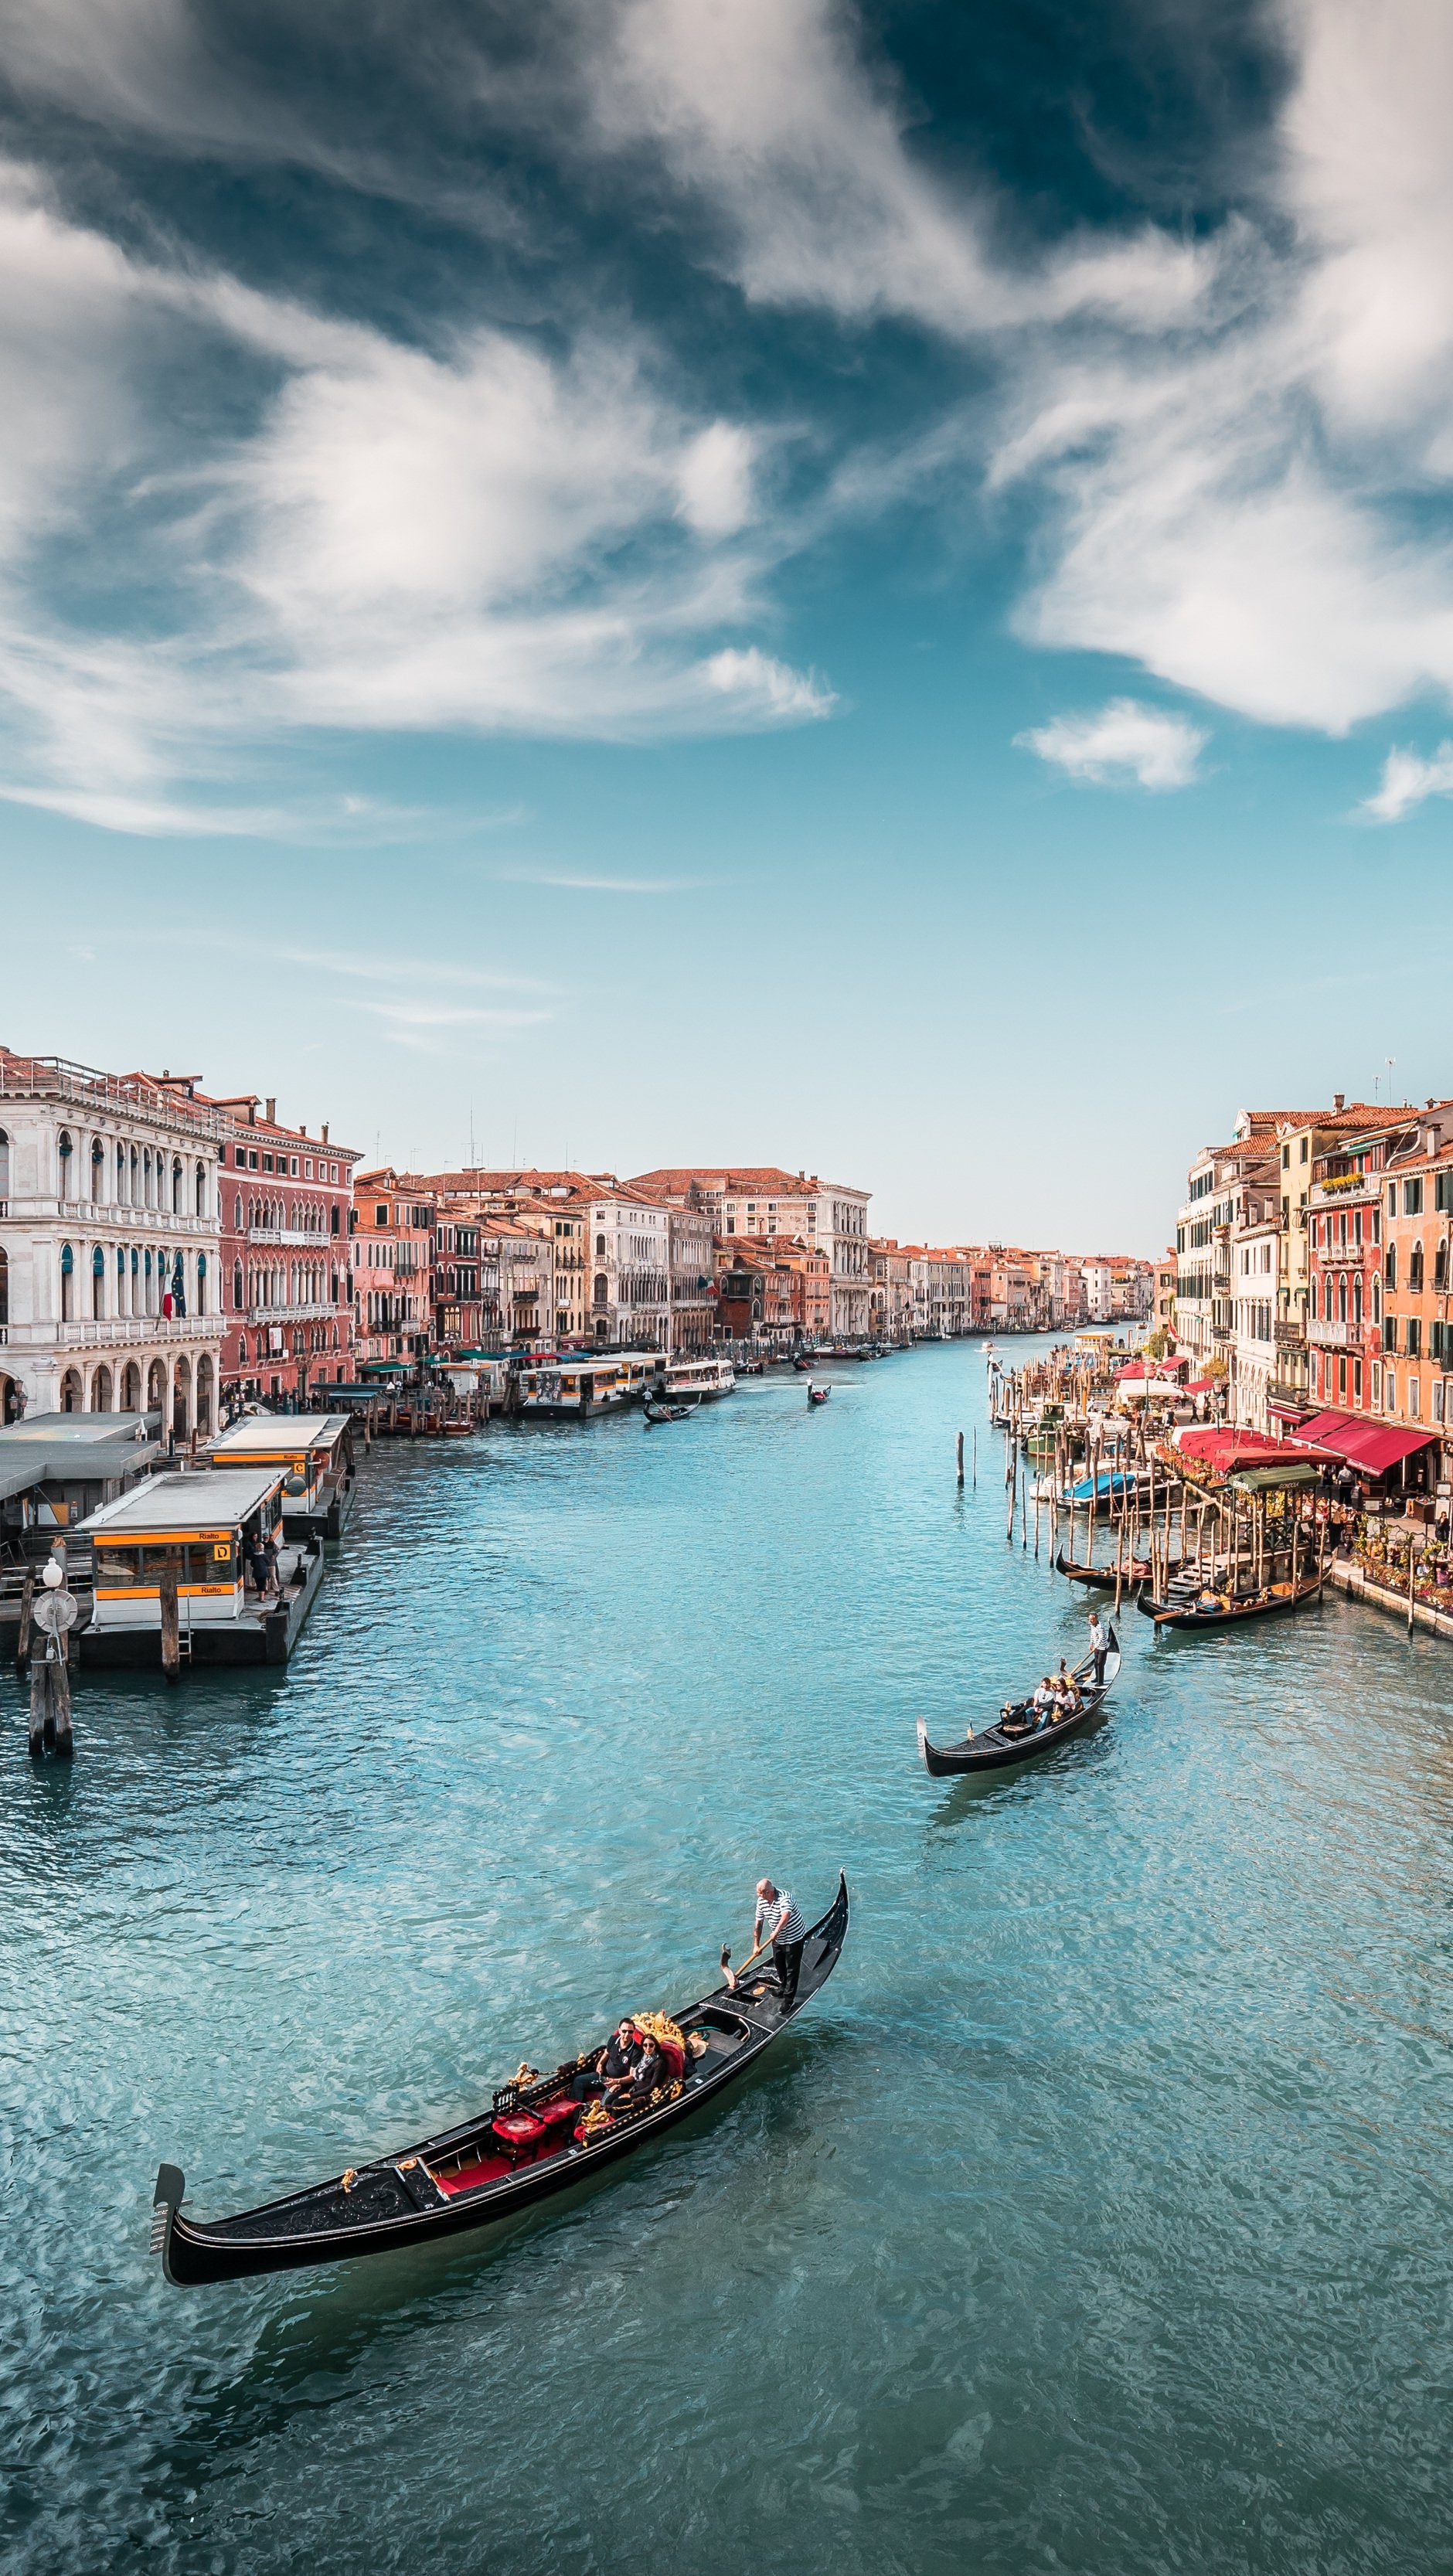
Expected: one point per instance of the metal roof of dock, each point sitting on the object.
(220, 1499)
(73, 1448)
(280, 1434)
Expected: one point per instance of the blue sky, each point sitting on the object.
(649, 578)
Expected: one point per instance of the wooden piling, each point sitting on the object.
(976, 1458)
(959, 1459)
(171, 1633)
(22, 1640)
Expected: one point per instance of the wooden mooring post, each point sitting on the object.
(959, 1450)
(50, 1680)
(171, 1633)
(22, 1634)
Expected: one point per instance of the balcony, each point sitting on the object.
(115, 1332)
(1290, 1390)
(1330, 1336)
(1290, 1337)
(290, 1234)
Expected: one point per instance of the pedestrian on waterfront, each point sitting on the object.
(1099, 1648)
(778, 1921)
(269, 1565)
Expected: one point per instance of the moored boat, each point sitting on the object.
(1105, 1577)
(654, 1411)
(1016, 1736)
(1220, 1609)
(534, 2139)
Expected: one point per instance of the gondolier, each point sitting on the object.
(1099, 1648)
(778, 1921)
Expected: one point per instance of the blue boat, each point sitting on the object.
(1110, 1486)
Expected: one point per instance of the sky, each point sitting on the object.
(637, 581)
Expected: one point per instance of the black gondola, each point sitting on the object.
(657, 1412)
(1102, 1577)
(1014, 1737)
(818, 1394)
(519, 2150)
(1223, 1613)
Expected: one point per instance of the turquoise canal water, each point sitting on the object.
(1095, 2218)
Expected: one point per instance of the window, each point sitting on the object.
(1443, 1191)
(380, 1216)
(1415, 1393)
(1415, 1338)
(1390, 1267)
(1376, 1382)
(1415, 1271)
(267, 1162)
(1389, 1332)
(1389, 1392)
(1286, 1158)
(1304, 1149)
(1392, 1198)
(1413, 1196)
(1357, 1381)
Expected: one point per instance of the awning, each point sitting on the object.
(1257, 1480)
(1373, 1446)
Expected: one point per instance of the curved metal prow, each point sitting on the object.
(171, 2183)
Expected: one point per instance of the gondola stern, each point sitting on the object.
(171, 2184)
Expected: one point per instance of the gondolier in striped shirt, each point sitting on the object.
(778, 1921)
(1099, 1648)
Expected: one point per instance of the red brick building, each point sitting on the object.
(284, 1199)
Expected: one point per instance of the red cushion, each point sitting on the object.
(517, 2128)
(554, 2115)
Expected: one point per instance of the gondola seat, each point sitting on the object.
(523, 2134)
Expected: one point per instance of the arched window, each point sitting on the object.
(242, 1350)
(68, 1159)
(178, 1177)
(135, 1175)
(237, 1214)
(4, 1286)
(98, 1283)
(98, 1166)
(120, 1174)
(120, 1280)
(600, 1247)
(237, 1286)
(1415, 1270)
(68, 1264)
(1390, 1267)
(201, 1189)
(201, 1283)
(602, 1288)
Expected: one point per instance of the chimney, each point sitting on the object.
(271, 1112)
(252, 1113)
(325, 1131)
(1337, 1099)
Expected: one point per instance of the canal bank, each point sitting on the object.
(1094, 2216)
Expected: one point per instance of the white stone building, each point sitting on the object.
(109, 1270)
(629, 1269)
(760, 1200)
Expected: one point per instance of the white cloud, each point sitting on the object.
(1407, 780)
(1237, 509)
(1121, 743)
(765, 109)
(479, 536)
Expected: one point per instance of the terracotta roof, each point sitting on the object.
(761, 1179)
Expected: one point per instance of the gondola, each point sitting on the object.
(1104, 1576)
(656, 1412)
(534, 2139)
(805, 1366)
(1014, 1737)
(1277, 1598)
(818, 1394)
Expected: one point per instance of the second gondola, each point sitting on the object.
(1016, 1736)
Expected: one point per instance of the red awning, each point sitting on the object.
(1227, 1448)
(1376, 1446)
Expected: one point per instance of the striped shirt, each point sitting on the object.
(780, 1919)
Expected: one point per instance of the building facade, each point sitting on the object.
(285, 1200)
(392, 1266)
(761, 1199)
(109, 1243)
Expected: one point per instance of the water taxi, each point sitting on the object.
(315, 1453)
(201, 1528)
(547, 1388)
(696, 1380)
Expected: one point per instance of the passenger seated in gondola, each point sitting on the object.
(612, 2068)
(1043, 1700)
